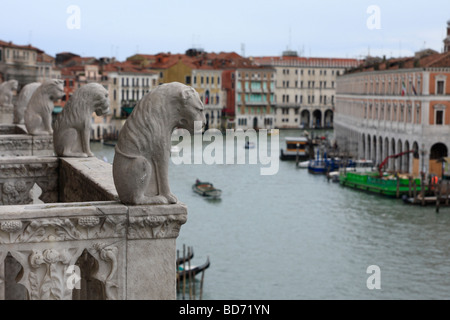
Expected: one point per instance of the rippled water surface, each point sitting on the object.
(294, 235)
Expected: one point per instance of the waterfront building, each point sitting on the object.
(388, 107)
(305, 89)
(255, 97)
(46, 68)
(18, 62)
(126, 84)
(207, 82)
(212, 75)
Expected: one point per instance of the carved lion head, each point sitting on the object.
(54, 89)
(192, 109)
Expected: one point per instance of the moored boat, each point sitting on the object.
(206, 189)
(388, 185)
(190, 271)
(296, 148)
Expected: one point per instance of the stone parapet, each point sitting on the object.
(111, 250)
(15, 142)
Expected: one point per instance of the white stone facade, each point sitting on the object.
(384, 113)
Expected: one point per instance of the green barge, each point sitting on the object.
(388, 185)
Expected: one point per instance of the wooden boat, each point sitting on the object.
(190, 271)
(206, 189)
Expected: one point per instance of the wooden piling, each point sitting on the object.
(438, 196)
(398, 187)
(189, 276)
(422, 189)
(415, 191)
(446, 192)
(410, 187)
(184, 271)
(201, 284)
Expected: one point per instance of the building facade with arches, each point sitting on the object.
(305, 89)
(395, 107)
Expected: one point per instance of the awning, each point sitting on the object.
(127, 110)
(57, 110)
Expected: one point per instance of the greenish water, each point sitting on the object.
(294, 235)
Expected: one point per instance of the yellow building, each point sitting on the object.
(207, 81)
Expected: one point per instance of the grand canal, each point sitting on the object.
(294, 235)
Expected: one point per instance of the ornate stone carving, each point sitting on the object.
(73, 124)
(38, 115)
(140, 167)
(155, 227)
(17, 180)
(108, 257)
(60, 230)
(22, 101)
(11, 226)
(2, 274)
(7, 89)
(44, 272)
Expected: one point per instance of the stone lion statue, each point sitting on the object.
(22, 101)
(38, 115)
(7, 89)
(72, 127)
(141, 160)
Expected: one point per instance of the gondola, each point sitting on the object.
(184, 270)
(182, 260)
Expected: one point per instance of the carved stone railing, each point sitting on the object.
(15, 142)
(121, 252)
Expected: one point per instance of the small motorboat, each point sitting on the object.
(249, 145)
(206, 189)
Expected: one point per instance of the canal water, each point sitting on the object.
(294, 236)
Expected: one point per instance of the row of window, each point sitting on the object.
(243, 122)
(255, 85)
(410, 86)
(313, 72)
(18, 54)
(311, 99)
(135, 82)
(397, 114)
(311, 84)
(205, 80)
(254, 97)
(134, 96)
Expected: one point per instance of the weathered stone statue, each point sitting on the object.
(73, 125)
(22, 101)
(38, 115)
(140, 167)
(7, 89)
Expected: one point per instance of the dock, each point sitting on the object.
(438, 194)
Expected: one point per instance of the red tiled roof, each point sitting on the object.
(435, 60)
(12, 45)
(126, 66)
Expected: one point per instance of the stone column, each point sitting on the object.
(151, 251)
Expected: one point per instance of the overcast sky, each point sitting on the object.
(322, 28)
